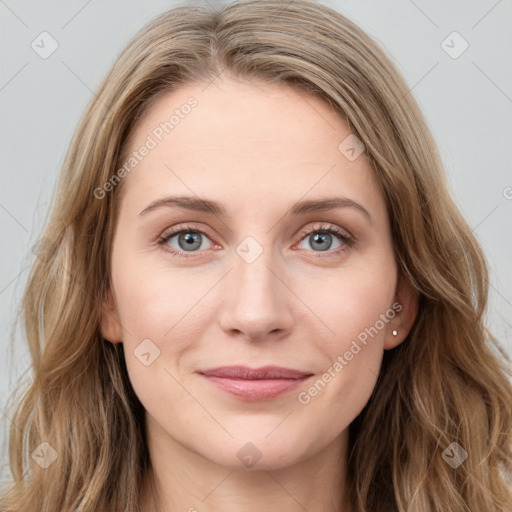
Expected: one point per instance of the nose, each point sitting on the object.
(256, 302)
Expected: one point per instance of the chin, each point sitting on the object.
(255, 454)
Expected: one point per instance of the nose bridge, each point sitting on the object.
(256, 302)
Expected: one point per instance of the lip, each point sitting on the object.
(255, 383)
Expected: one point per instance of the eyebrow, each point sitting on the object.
(300, 208)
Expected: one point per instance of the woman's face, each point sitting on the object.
(258, 281)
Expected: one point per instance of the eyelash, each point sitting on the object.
(344, 237)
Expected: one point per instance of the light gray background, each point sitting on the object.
(467, 102)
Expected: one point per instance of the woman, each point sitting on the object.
(256, 292)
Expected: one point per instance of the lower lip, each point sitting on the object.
(256, 389)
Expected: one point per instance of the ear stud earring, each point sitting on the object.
(395, 332)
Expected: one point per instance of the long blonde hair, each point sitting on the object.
(444, 384)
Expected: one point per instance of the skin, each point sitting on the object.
(257, 149)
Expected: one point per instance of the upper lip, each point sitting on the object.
(244, 372)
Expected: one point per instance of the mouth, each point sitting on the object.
(255, 384)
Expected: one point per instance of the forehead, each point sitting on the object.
(238, 140)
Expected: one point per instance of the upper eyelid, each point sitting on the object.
(303, 232)
(181, 228)
(326, 227)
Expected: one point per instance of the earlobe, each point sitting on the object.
(110, 326)
(400, 326)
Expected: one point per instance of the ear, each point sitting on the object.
(110, 326)
(407, 298)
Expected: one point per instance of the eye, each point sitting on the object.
(320, 239)
(187, 239)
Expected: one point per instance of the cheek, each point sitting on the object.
(351, 301)
(355, 307)
(162, 318)
(337, 396)
(153, 316)
(153, 298)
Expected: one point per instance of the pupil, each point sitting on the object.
(190, 239)
(320, 238)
